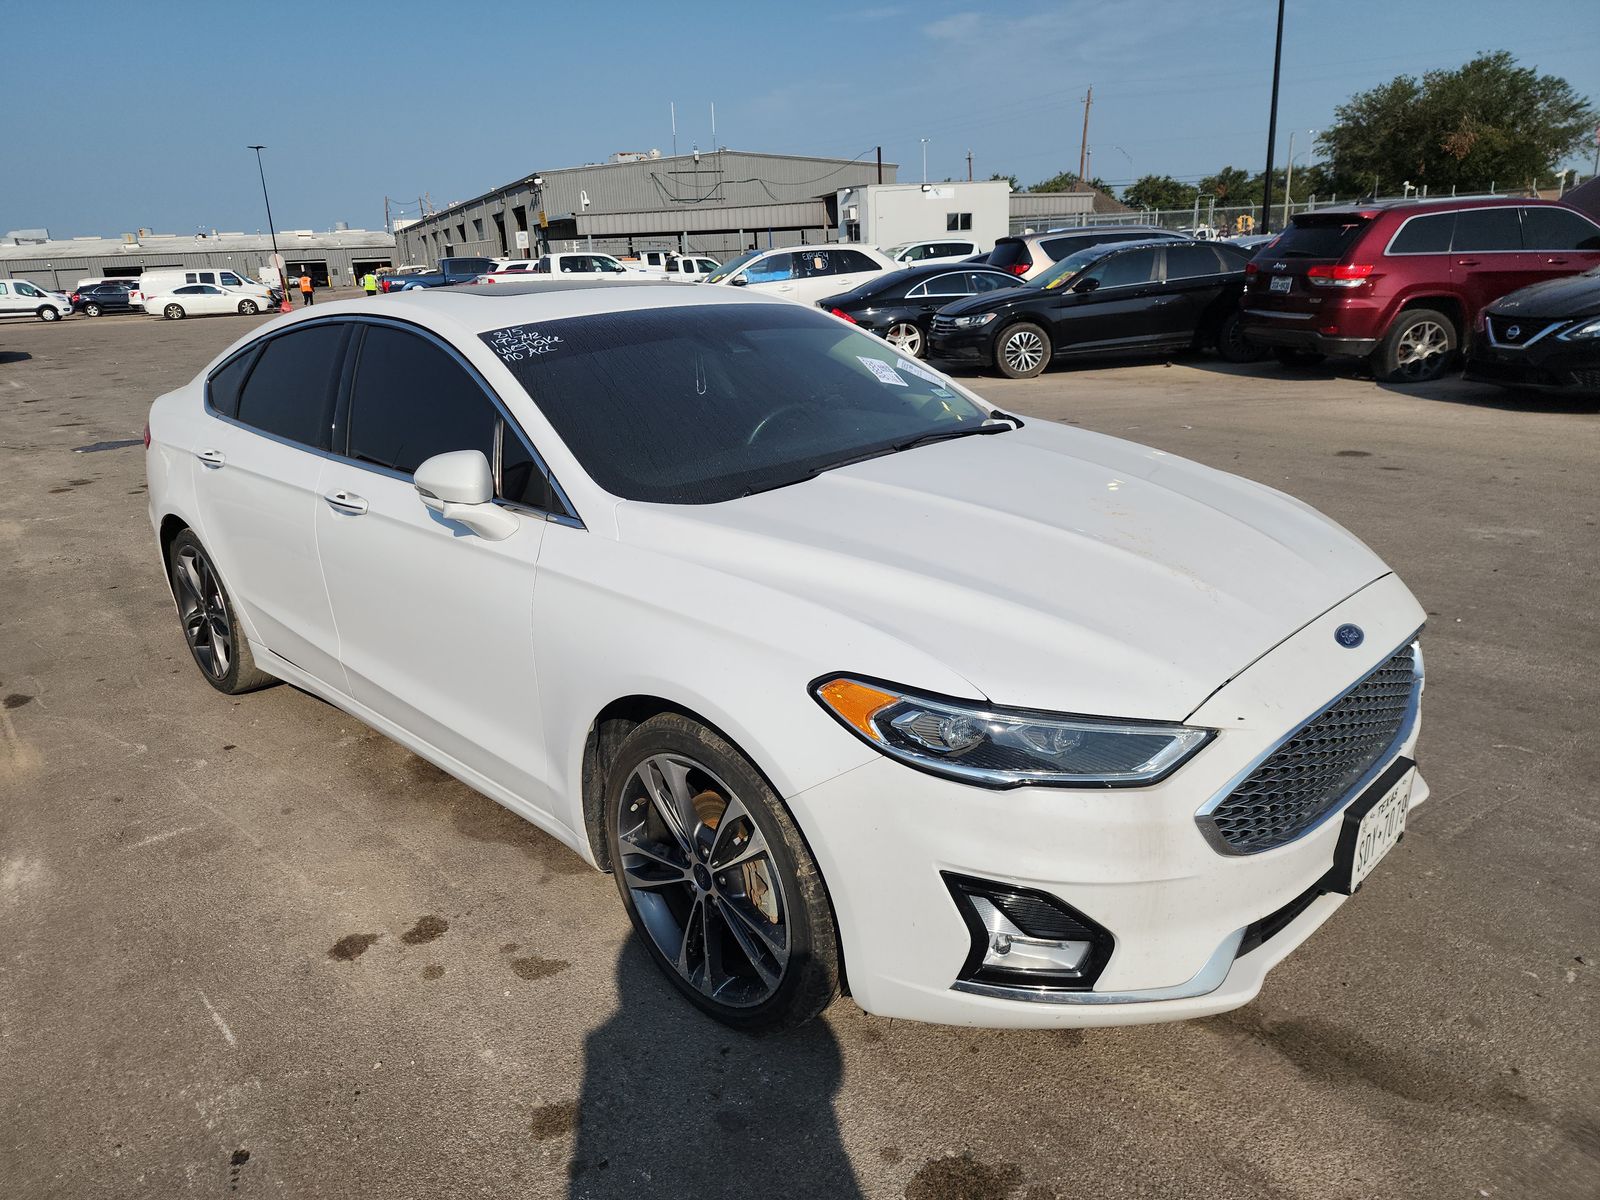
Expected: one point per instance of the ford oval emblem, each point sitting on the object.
(1349, 636)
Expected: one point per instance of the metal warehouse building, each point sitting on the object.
(716, 202)
(59, 263)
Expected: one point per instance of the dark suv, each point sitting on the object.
(1403, 284)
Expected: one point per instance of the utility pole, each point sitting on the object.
(880, 164)
(1288, 180)
(387, 227)
(1272, 129)
(277, 259)
(969, 164)
(924, 160)
(1083, 146)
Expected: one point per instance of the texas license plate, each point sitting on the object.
(1280, 283)
(1372, 825)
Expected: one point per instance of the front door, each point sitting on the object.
(257, 468)
(1196, 277)
(1119, 311)
(435, 621)
(1487, 258)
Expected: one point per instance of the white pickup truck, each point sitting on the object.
(672, 265)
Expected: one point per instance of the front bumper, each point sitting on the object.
(1548, 365)
(962, 346)
(1133, 861)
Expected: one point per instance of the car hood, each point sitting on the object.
(991, 301)
(1051, 568)
(1574, 296)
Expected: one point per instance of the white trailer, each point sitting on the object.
(887, 214)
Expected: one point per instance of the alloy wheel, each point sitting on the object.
(906, 337)
(49, 314)
(204, 612)
(703, 881)
(174, 312)
(1421, 349)
(91, 310)
(1023, 350)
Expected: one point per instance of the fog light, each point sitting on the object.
(1014, 950)
(1027, 938)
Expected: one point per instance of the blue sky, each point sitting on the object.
(357, 100)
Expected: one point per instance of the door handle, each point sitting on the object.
(1466, 262)
(346, 502)
(211, 458)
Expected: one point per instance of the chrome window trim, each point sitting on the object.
(569, 517)
(1203, 982)
(1408, 725)
(928, 283)
(1499, 345)
(1388, 251)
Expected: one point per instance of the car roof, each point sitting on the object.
(1076, 230)
(475, 310)
(1431, 204)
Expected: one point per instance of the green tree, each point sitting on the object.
(1231, 186)
(1487, 122)
(1067, 181)
(1011, 179)
(1159, 191)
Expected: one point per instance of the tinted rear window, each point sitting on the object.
(1317, 237)
(1484, 229)
(222, 389)
(290, 392)
(1425, 235)
(1008, 252)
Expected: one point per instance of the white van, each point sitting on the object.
(20, 298)
(161, 281)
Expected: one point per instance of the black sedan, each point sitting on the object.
(898, 306)
(1544, 337)
(1145, 297)
(100, 298)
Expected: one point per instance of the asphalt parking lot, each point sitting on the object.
(252, 948)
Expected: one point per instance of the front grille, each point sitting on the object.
(1501, 328)
(1589, 380)
(943, 324)
(1316, 768)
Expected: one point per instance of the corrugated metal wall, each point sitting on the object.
(719, 205)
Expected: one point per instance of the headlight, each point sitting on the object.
(995, 747)
(974, 320)
(1589, 329)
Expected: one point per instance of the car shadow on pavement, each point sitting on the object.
(673, 1104)
(14, 356)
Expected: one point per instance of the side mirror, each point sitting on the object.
(1086, 285)
(460, 487)
(738, 281)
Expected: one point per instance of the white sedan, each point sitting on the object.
(805, 273)
(837, 668)
(201, 300)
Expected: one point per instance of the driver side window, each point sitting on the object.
(1125, 269)
(774, 268)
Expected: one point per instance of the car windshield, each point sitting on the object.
(1069, 266)
(897, 251)
(697, 405)
(732, 265)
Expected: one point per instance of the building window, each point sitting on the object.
(477, 229)
(958, 222)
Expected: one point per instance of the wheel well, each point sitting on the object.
(606, 734)
(171, 527)
(1448, 305)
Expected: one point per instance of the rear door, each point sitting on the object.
(435, 622)
(1487, 258)
(1122, 312)
(258, 466)
(1197, 279)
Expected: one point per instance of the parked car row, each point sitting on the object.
(173, 293)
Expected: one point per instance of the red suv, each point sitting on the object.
(1403, 284)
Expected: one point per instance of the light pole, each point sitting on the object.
(283, 275)
(924, 160)
(1288, 177)
(1272, 129)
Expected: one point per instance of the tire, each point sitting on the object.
(248, 308)
(91, 310)
(908, 338)
(763, 922)
(48, 314)
(1232, 344)
(1419, 347)
(1021, 351)
(173, 312)
(1298, 358)
(210, 624)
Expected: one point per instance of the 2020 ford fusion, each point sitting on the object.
(842, 672)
